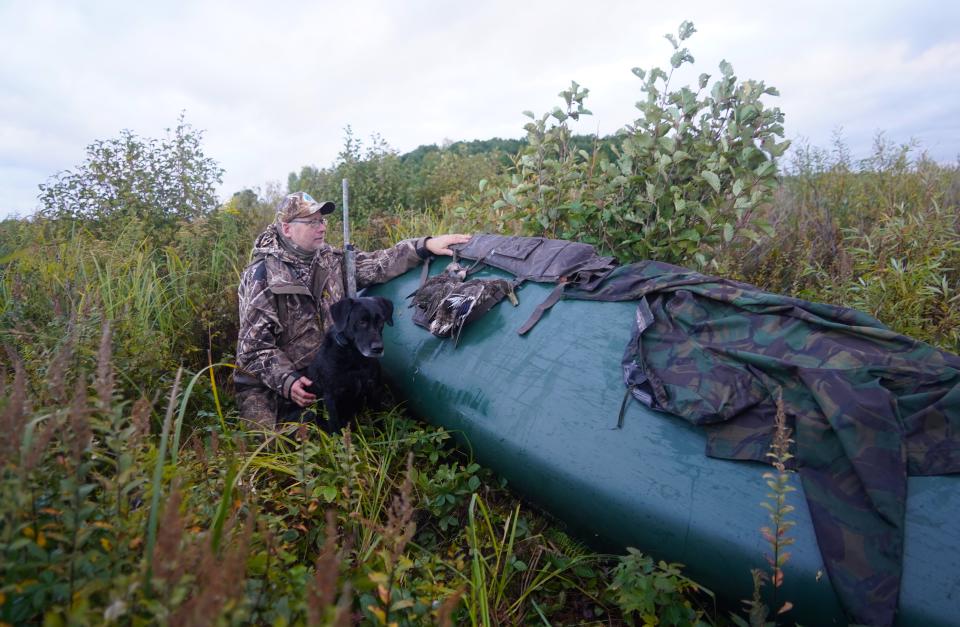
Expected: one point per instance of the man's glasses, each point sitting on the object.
(314, 222)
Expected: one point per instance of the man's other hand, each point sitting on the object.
(299, 393)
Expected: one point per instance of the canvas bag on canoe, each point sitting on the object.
(542, 260)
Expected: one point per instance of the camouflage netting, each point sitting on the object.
(868, 406)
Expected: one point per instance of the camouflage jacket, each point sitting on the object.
(285, 304)
(868, 406)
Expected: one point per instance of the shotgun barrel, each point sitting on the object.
(349, 252)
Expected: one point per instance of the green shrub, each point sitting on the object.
(157, 182)
(689, 175)
(655, 592)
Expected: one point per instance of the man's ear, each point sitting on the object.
(340, 312)
(386, 309)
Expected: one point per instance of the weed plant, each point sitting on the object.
(100, 521)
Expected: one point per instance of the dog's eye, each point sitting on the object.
(362, 323)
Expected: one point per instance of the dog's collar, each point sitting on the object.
(339, 338)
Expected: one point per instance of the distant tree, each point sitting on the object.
(378, 179)
(245, 200)
(156, 181)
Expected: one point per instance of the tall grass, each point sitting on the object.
(168, 305)
(881, 234)
(299, 526)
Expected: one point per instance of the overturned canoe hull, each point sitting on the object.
(541, 410)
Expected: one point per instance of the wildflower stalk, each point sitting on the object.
(775, 534)
(779, 484)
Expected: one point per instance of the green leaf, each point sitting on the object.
(686, 29)
(712, 179)
(737, 187)
(690, 234)
(328, 493)
(726, 68)
(727, 232)
(764, 168)
(681, 56)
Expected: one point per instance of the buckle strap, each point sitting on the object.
(549, 302)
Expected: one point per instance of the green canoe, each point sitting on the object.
(541, 410)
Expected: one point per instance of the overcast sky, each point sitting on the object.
(273, 84)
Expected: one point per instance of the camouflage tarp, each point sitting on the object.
(868, 406)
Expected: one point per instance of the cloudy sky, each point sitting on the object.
(273, 84)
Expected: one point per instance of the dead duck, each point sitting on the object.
(446, 302)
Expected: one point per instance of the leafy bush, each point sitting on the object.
(688, 177)
(656, 592)
(156, 182)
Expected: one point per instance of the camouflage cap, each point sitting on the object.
(301, 205)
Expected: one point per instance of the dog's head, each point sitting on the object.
(360, 322)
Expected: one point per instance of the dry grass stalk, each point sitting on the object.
(105, 378)
(39, 445)
(445, 613)
(167, 563)
(57, 371)
(219, 580)
(140, 419)
(13, 418)
(77, 419)
(400, 525)
(199, 451)
(343, 616)
(322, 589)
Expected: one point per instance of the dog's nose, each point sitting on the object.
(376, 347)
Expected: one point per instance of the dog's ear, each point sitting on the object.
(340, 312)
(386, 309)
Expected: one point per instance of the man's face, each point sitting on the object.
(307, 233)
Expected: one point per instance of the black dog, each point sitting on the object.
(345, 372)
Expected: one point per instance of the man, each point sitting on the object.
(285, 297)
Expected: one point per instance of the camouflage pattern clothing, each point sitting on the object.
(285, 297)
(868, 406)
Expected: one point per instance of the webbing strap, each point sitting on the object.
(623, 406)
(549, 302)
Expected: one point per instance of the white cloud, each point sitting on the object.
(273, 84)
